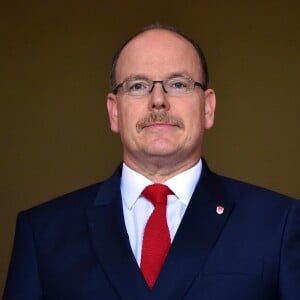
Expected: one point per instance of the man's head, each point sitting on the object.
(161, 106)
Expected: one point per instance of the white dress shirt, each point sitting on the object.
(137, 209)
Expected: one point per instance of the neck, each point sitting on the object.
(159, 170)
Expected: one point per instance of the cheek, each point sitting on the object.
(194, 115)
(128, 117)
(195, 122)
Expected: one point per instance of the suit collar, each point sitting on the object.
(109, 189)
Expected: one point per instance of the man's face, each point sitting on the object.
(159, 128)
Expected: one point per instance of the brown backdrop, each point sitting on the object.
(55, 58)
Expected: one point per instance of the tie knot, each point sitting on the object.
(157, 193)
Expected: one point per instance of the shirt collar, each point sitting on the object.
(183, 184)
(132, 185)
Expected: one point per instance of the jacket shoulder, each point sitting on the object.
(246, 191)
(69, 203)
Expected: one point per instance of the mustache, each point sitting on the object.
(159, 117)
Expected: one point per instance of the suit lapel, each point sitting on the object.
(195, 238)
(111, 243)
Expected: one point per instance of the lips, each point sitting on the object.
(158, 124)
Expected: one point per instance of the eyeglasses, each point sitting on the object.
(175, 86)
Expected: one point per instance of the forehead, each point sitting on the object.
(156, 54)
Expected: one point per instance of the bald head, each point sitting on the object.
(153, 30)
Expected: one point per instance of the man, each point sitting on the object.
(216, 238)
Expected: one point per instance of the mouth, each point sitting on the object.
(160, 124)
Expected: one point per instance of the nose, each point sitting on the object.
(158, 97)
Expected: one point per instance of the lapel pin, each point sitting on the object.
(220, 210)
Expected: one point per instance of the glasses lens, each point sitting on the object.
(178, 86)
(137, 87)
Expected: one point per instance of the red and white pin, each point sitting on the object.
(219, 210)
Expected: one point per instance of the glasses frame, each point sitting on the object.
(162, 82)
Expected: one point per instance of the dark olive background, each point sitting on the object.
(54, 64)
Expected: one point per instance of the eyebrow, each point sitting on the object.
(136, 77)
(173, 75)
(144, 77)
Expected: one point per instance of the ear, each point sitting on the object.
(209, 108)
(112, 109)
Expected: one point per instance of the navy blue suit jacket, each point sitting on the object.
(76, 247)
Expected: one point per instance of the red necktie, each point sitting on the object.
(156, 241)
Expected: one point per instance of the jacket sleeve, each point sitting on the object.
(289, 281)
(23, 282)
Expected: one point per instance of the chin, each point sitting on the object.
(161, 152)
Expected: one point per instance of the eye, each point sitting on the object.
(137, 85)
(177, 83)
